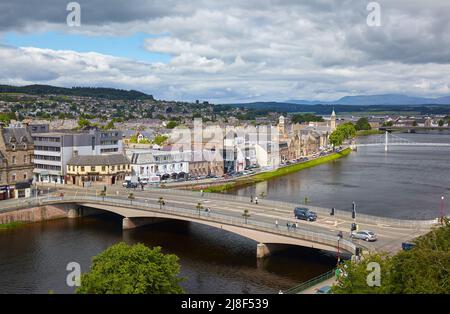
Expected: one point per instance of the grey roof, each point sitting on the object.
(21, 135)
(115, 159)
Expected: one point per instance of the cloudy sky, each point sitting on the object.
(230, 50)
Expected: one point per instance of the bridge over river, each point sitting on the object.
(226, 213)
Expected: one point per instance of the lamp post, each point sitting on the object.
(338, 257)
(442, 209)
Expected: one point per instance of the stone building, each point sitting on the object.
(98, 170)
(16, 162)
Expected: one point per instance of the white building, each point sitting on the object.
(52, 151)
(165, 164)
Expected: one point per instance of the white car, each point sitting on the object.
(365, 235)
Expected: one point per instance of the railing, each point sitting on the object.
(253, 223)
(310, 283)
(362, 218)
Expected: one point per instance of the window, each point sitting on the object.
(25, 176)
(82, 168)
(13, 160)
(113, 168)
(103, 168)
(118, 167)
(25, 159)
(92, 168)
(13, 177)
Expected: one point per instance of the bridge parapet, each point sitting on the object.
(324, 239)
(340, 213)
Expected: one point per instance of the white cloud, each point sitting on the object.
(254, 50)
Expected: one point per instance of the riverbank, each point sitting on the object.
(260, 177)
(368, 132)
(12, 225)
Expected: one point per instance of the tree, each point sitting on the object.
(172, 124)
(336, 138)
(363, 124)
(353, 276)
(160, 139)
(161, 202)
(246, 215)
(137, 269)
(441, 123)
(307, 117)
(83, 123)
(199, 207)
(109, 126)
(131, 198)
(422, 270)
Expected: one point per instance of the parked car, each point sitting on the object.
(324, 290)
(305, 214)
(365, 235)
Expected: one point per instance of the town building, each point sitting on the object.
(146, 164)
(97, 170)
(52, 150)
(16, 162)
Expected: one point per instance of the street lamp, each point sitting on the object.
(338, 257)
(442, 209)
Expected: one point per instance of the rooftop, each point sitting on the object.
(115, 159)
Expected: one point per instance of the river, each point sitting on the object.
(406, 182)
(33, 258)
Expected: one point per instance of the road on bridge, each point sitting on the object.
(390, 236)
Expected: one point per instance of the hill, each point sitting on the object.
(98, 92)
(386, 99)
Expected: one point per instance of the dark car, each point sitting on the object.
(132, 185)
(305, 214)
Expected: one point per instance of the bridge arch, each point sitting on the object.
(267, 242)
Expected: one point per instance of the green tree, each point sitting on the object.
(137, 269)
(363, 124)
(353, 276)
(172, 124)
(336, 138)
(109, 126)
(133, 139)
(160, 139)
(246, 215)
(199, 207)
(425, 269)
(83, 123)
(306, 117)
(161, 202)
(441, 123)
(131, 197)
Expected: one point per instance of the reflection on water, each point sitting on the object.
(34, 258)
(406, 182)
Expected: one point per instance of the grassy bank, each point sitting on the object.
(368, 132)
(12, 225)
(260, 177)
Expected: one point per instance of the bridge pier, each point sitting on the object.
(73, 213)
(265, 250)
(132, 223)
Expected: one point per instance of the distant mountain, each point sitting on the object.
(387, 99)
(98, 92)
(326, 109)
